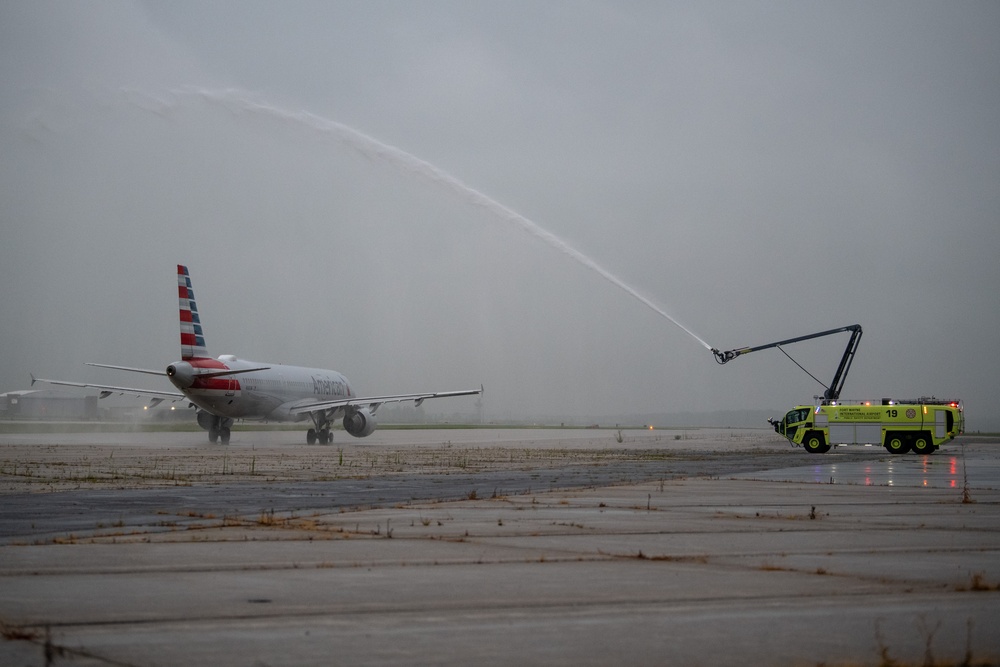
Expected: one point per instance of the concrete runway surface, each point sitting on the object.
(495, 547)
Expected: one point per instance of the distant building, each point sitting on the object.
(76, 405)
(47, 404)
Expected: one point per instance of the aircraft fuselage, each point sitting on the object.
(256, 391)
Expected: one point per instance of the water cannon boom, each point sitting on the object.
(833, 390)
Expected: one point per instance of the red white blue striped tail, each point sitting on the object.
(192, 338)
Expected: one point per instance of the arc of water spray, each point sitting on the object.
(240, 102)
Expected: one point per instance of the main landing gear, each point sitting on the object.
(218, 429)
(321, 433)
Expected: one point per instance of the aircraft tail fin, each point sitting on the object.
(192, 337)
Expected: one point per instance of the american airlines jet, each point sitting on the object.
(228, 388)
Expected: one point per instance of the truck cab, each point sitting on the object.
(792, 422)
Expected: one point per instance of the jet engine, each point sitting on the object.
(359, 423)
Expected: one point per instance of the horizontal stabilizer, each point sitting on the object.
(218, 374)
(128, 368)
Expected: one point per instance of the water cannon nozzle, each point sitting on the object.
(723, 357)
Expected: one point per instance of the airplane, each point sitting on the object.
(228, 388)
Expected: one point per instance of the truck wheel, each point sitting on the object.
(895, 444)
(923, 444)
(815, 443)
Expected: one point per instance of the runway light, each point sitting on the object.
(650, 427)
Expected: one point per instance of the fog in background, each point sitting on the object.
(757, 171)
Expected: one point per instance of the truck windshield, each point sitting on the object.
(796, 416)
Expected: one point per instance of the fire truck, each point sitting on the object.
(920, 425)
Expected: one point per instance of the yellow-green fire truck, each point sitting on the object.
(920, 425)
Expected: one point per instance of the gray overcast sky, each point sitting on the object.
(760, 170)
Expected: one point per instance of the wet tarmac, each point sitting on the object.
(712, 548)
(947, 469)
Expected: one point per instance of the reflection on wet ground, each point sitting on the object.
(954, 469)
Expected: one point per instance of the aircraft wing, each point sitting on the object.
(107, 390)
(373, 402)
